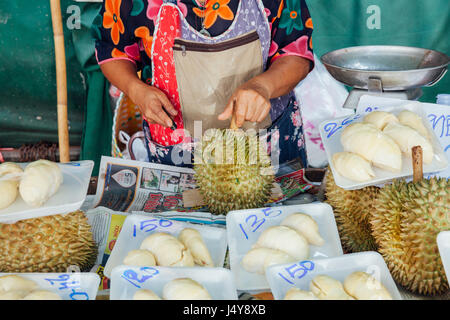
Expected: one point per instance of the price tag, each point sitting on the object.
(151, 225)
(296, 271)
(71, 283)
(140, 276)
(439, 117)
(332, 127)
(255, 220)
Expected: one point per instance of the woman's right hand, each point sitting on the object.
(151, 102)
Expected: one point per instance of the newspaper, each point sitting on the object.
(127, 186)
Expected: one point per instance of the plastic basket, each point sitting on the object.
(127, 118)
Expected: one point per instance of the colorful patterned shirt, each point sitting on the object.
(124, 28)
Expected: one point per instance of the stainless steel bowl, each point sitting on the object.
(398, 68)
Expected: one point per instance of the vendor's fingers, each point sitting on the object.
(155, 113)
(241, 110)
(153, 119)
(265, 111)
(227, 113)
(162, 116)
(167, 104)
(256, 108)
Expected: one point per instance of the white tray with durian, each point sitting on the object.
(356, 276)
(42, 188)
(148, 241)
(49, 286)
(374, 147)
(259, 238)
(171, 283)
(443, 242)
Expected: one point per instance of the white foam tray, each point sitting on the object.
(69, 197)
(138, 227)
(331, 130)
(70, 286)
(283, 277)
(127, 280)
(443, 242)
(245, 226)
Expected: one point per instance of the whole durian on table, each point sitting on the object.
(405, 225)
(352, 209)
(47, 244)
(233, 170)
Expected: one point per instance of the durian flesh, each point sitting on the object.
(47, 244)
(142, 258)
(380, 119)
(327, 288)
(369, 142)
(412, 120)
(40, 180)
(306, 226)
(352, 166)
(185, 289)
(16, 283)
(284, 239)
(168, 250)
(42, 295)
(407, 138)
(363, 286)
(193, 240)
(8, 188)
(297, 294)
(257, 260)
(232, 170)
(145, 294)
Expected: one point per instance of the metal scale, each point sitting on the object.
(388, 71)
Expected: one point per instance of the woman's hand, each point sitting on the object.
(252, 103)
(152, 102)
(253, 97)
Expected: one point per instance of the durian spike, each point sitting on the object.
(417, 163)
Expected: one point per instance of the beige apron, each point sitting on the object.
(208, 74)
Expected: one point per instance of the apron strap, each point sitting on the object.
(171, 1)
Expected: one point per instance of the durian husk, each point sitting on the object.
(232, 171)
(47, 244)
(352, 209)
(406, 222)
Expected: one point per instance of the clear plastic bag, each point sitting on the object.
(321, 97)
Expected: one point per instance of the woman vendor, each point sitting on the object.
(200, 60)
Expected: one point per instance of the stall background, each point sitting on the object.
(27, 69)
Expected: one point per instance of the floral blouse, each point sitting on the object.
(124, 28)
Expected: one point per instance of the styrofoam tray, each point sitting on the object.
(283, 277)
(245, 226)
(443, 242)
(331, 131)
(127, 280)
(70, 286)
(138, 227)
(69, 197)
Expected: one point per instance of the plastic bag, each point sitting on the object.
(321, 97)
(137, 147)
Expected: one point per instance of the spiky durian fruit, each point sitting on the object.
(352, 210)
(47, 244)
(405, 224)
(232, 170)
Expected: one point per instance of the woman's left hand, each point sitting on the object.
(252, 103)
